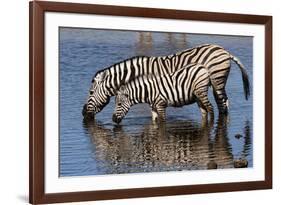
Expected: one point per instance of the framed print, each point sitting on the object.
(138, 102)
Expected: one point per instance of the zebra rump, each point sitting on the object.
(185, 86)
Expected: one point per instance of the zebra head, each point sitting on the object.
(122, 105)
(98, 96)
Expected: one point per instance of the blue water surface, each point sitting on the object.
(137, 145)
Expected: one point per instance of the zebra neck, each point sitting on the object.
(128, 70)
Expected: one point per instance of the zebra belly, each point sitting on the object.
(181, 102)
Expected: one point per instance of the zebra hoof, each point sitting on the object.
(154, 119)
(154, 116)
(223, 111)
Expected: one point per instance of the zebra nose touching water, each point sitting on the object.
(216, 59)
(99, 95)
(185, 86)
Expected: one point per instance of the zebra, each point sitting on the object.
(185, 86)
(215, 58)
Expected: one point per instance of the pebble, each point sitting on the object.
(240, 163)
(212, 165)
(238, 136)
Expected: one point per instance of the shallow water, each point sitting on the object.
(137, 145)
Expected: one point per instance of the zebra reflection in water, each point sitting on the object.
(176, 146)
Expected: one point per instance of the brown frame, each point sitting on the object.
(36, 100)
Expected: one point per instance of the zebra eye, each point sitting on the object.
(91, 92)
(119, 104)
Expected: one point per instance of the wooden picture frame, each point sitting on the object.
(37, 98)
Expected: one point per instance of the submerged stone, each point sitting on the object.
(212, 165)
(240, 163)
(238, 136)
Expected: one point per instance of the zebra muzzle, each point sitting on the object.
(84, 110)
(87, 114)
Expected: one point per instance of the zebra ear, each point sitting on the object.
(122, 91)
(121, 88)
(101, 76)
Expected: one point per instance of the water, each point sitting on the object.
(137, 145)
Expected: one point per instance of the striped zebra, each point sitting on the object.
(215, 58)
(185, 86)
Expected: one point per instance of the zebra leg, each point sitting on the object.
(204, 115)
(161, 112)
(203, 110)
(159, 106)
(218, 81)
(204, 103)
(154, 115)
(222, 101)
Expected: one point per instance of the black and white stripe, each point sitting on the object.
(215, 58)
(185, 86)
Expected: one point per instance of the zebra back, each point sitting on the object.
(124, 71)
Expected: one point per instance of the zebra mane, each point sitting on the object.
(184, 51)
(122, 61)
(147, 76)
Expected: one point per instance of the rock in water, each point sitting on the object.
(212, 165)
(238, 136)
(240, 163)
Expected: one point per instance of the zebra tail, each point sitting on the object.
(245, 78)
